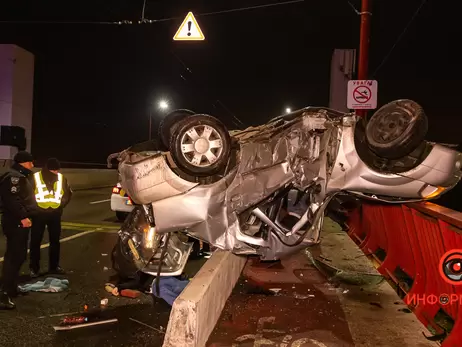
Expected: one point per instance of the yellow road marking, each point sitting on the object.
(84, 225)
(45, 245)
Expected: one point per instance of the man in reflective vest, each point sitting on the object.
(52, 194)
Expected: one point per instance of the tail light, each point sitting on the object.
(117, 188)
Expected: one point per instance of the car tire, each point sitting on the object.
(396, 129)
(122, 261)
(168, 126)
(199, 157)
(121, 216)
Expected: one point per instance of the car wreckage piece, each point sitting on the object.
(264, 190)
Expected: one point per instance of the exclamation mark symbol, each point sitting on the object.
(189, 28)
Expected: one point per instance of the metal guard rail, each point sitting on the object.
(408, 243)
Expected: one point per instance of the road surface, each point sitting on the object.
(89, 233)
(349, 317)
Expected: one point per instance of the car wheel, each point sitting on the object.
(122, 261)
(168, 126)
(200, 145)
(396, 129)
(121, 216)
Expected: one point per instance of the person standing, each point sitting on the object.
(52, 194)
(18, 206)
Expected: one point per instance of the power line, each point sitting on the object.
(150, 21)
(399, 38)
(61, 22)
(252, 7)
(216, 101)
(142, 11)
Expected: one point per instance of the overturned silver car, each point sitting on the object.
(265, 190)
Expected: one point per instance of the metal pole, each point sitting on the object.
(150, 124)
(364, 38)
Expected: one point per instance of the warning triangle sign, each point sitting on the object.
(189, 30)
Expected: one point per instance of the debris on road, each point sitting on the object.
(111, 288)
(275, 290)
(87, 318)
(377, 304)
(50, 285)
(84, 325)
(130, 293)
(405, 310)
(147, 326)
(58, 315)
(302, 297)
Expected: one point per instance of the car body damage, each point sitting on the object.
(264, 190)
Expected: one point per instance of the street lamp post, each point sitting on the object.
(163, 106)
(288, 110)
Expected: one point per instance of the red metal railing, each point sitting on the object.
(407, 243)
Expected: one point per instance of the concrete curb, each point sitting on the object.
(196, 311)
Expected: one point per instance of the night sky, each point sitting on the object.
(96, 83)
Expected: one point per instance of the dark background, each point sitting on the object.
(95, 83)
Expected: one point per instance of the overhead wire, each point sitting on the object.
(241, 123)
(387, 56)
(142, 11)
(143, 20)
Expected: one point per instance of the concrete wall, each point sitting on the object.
(86, 178)
(90, 178)
(342, 70)
(16, 92)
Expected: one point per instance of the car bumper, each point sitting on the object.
(120, 203)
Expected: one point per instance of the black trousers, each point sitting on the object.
(52, 221)
(17, 239)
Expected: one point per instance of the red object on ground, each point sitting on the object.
(408, 243)
(130, 293)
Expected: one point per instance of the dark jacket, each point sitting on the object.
(49, 179)
(17, 194)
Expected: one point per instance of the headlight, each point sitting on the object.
(430, 192)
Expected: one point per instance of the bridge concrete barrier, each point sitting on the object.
(198, 308)
(80, 179)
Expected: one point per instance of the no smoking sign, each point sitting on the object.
(362, 95)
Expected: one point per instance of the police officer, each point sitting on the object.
(52, 194)
(18, 206)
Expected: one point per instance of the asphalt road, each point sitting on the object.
(89, 233)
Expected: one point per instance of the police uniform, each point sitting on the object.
(18, 204)
(52, 194)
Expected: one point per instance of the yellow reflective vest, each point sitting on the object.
(44, 198)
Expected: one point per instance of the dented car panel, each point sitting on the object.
(149, 178)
